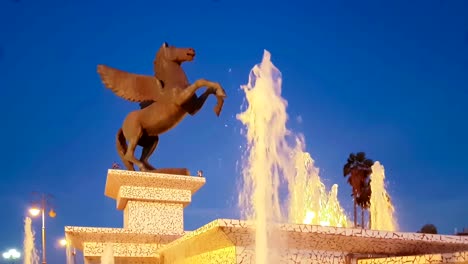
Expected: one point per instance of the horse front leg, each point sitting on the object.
(196, 103)
(213, 88)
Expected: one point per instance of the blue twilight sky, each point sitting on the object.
(386, 77)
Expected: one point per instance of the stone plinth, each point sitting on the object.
(152, 205)
(152, 201)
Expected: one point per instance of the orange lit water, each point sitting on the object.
(382, 211)
(310, 202)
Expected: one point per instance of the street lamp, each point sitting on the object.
(12, 255)
(41, 209)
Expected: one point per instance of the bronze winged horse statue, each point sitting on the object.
(165, 100)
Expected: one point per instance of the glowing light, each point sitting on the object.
(52, 213)
(34, 211)
(11, 254)
(310, 215)
(63, 242)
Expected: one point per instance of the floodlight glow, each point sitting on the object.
(63, 242)
(34, 211)
(11, 254)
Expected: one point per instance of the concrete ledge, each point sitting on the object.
(119, 178)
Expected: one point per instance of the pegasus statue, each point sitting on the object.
(165, 100)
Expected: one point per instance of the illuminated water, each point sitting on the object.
(30, 252)
(382, 211)
(275, 155)
(267, 150)
(107, 255)
(70, 251)
(310, 203)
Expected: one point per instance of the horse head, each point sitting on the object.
(174, 54)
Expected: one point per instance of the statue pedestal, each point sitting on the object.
(152, 202)
(153, 215)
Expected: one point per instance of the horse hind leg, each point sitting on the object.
(127, 164)
(122, 149)
(150, 144)
(132, 144)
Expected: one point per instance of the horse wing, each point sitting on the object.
(130, 86)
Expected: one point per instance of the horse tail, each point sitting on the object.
(121, 144)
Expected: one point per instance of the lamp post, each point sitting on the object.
(11, 255)
(35, 211)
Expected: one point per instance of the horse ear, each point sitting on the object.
(165, 45)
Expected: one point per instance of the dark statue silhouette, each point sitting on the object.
(165, 100)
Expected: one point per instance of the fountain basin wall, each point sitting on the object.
(153, 204)
(232, 241)
(457, 257)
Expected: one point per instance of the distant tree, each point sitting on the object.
(363, 200)
(358, 169)
(428, 229)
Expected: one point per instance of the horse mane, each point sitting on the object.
(160, 61)
(157, 64)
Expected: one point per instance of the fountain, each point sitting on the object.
(267, 155)
(310, 203)
(381, 210)
(30, 252)
(271, 159)
(305, 224)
